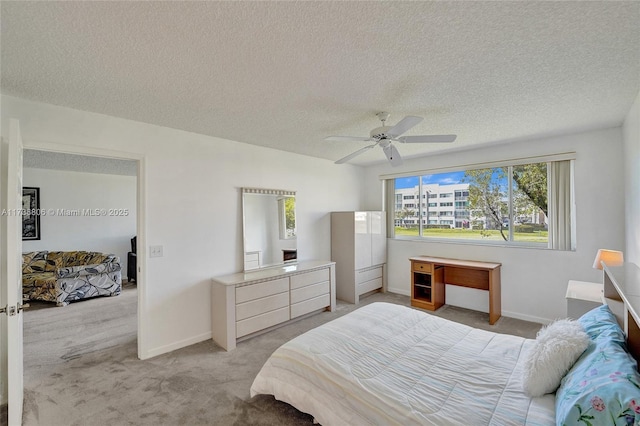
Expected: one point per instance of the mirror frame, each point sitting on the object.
(280, 231)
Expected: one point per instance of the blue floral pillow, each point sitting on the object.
(603, 386)
(600, 323)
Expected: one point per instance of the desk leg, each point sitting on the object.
(495, 296)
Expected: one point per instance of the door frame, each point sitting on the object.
(141, 222)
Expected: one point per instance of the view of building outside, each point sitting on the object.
(441, 205)
(475, 204)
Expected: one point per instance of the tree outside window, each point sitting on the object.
(508, 204)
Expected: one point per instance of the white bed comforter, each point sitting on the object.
(386, 364)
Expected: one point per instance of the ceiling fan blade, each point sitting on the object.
(405, 124)
(347, 138)
(358, 152)
(392, 155)
(427, 139)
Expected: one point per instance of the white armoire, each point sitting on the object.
(359, 248)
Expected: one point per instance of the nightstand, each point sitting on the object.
(583, 296)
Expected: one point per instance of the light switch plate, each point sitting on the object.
(155, 251)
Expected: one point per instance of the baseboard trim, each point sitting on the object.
(399, 291)
(176, 345)
(525, 317)
(510, 314)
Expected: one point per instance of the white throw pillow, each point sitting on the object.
(556, 349)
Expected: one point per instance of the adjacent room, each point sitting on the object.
(74, 191)
(338, 207)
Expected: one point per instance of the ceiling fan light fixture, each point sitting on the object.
(379, 132)
(384, 135)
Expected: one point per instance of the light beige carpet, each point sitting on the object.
(76, 375)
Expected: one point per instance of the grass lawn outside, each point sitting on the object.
(469, 234)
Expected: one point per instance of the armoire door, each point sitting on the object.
(378, 228)
(362, 227)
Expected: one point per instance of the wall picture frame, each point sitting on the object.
(30, 213)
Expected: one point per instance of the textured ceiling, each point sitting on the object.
(78, 163)
(288, 74)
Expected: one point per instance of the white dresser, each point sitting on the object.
(246, 303)
(359, 248)
(582, 297)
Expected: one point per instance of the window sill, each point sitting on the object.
(505, 244)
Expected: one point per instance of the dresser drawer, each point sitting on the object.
(309, 292)
(257, 291)
(252, 260)
(368, 275)
(371, 285)
(261, 306)
(260, 322)
(313, 277)
(251, 264)
(310, 305)
(252, 256)
(422, 267)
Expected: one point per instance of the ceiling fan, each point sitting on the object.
(385, 135)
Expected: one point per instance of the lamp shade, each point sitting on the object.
(610, 257)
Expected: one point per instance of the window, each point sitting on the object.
(287, 220)
(506, 204)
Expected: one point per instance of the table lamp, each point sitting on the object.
(610, 257)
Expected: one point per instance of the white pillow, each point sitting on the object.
(556, 349)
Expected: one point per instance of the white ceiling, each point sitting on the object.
(78, 163)
(287, 74)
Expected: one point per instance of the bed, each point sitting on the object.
(386, 364)
(377, 364)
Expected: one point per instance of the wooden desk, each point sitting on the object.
(430, 274)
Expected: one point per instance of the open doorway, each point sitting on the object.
(88, 203)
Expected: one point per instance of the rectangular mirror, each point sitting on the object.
(269, 227)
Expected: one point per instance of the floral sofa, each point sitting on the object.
(66, 276)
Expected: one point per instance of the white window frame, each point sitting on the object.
(388, 185)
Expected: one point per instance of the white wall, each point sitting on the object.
(534, 281)
(193, 205)
(631, 130)
(66, 190)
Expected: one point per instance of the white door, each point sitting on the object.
(14, 275)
